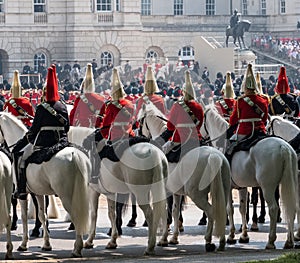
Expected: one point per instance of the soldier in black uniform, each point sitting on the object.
(50, 127)
(284, 102)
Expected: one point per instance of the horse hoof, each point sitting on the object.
(297, 246)
(173, 242)
(47, 248)
(254, 228)
(13, 227)
(288, 245)
(76, 255)
(111, 246)
(149, 253)
(202, 222)
(270, 246)
(162, 244)
(244, 240)
(210, 247)
(231, 241)
(71, 227)
(7, 257)
(88, 246)
(20, 248)
(131, 223)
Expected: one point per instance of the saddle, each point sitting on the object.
(245, 144)
(176, 154)
(114, 150)
(46, 153)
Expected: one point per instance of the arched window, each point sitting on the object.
(152, 54)
(39, 58)
(106, 57)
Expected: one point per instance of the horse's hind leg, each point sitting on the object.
(254, 201)
(230, 212)
(243, 194)
(23, 246)
(42, 217)
(9, 245)
(112, 244)
(94, 201)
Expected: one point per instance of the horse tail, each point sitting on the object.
(6, 185)
(159, 194)
(80, 198)
(289, 185)
(212, 176)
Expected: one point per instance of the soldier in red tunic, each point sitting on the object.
(225, 104)
(185, 119)
(87, 106)
(149, 93)
(17, 105)
(250, 112)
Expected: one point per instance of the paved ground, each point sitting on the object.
(133, 242)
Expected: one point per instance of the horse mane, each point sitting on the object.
(285, 122)
(14, 119)
(150, 109)
(218, 118)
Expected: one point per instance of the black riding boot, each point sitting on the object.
(20, 192)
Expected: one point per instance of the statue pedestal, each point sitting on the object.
(242, 57)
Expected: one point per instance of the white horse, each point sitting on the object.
(269, 163)
(142, 170)
(66, 174)
(6, 186)
(201, 171)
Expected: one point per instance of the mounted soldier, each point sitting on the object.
(18, 105)
(87, 106)
(226, 103)
(284, 102)
(46, 136)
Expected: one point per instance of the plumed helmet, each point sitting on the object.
(117, 91)
(227, 89)
(249, 80)
(258, 82)
(282, 86)
(150, 83)
(52, 94)
(189, 92)
(88, 84)
(16, 85)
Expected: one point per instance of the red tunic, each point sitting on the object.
(243, 111)
(179, 117)
(157, 100)
(226, 109)
(116, 124)
(84, 113)
(25, 104)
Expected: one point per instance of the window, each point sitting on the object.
(186, 54)
(178, 7)
(263, 7)
(244, 7)
(118, 7)
(1, 6)
(103, 5)
(146, 7)
(210, 7)
(39, 6)
(39, 58)
(282, 6)
(152, 55)
(106, 58)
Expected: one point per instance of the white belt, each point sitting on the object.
(185, 125)
(250, 120)
(20, 117)
(52, 128)
(119, 123)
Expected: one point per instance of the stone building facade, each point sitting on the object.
(40, 31)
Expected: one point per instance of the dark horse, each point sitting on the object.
(242, 27)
